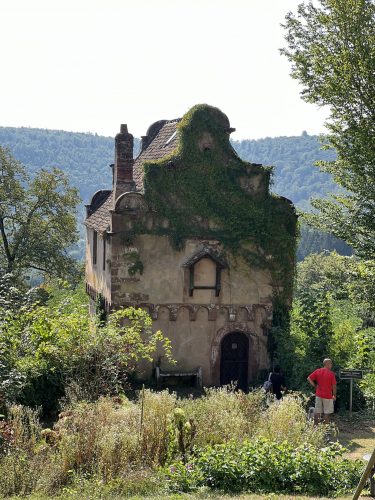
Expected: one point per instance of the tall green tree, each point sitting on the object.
(331, 45)
(37, 219)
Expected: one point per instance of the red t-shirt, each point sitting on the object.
(325, 379)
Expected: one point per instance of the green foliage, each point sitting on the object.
(117, 443)
(344, 278)
(332, 316)
(212, 413)
(182, 433)
(331, 46)
(258, 227)
(315, 323)
(37, 219)
(293, 159)
(51, 348)
(314, 241)
(265, 466)
(286, 421)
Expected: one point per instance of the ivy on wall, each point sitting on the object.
(197, 188)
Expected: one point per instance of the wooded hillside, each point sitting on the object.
(86, 157)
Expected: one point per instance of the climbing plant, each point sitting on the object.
(197, 189)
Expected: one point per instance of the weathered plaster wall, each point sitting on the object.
(195, 330)
(97, 277)
(164, 279)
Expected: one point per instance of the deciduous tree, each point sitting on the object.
(37, 219)
(331, 45)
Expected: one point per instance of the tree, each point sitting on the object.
(52, 348)
(331, 46)
(37, 219)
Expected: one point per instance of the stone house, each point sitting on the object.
(191, 233)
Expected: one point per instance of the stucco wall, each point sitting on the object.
(97, 277)
(164, 278)
(197, 329)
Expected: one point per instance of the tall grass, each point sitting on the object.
(123, 442)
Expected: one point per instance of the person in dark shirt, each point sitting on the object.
(278, 382)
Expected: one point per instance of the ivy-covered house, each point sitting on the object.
(191, 233)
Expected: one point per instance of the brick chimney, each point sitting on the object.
(123, 167)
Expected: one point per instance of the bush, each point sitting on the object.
(107, 441)
(266, 466)
(286, 421)
(212, 413)
(48, 349)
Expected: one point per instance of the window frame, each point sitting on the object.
(94, 248)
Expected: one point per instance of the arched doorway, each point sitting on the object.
(234, 362)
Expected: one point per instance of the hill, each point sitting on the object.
(293, 158)
(86, 157)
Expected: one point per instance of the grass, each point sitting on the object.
(95, 441)
(356, 434)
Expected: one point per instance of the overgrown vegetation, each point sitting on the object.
(333, 315)
(55, 360)
(84, 158)
(55, 349)
(258, 227)
(140, 447)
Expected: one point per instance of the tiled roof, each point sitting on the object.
(162, 144)
(100, 220)
(159, 147)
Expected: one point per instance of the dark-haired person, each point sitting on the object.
(324, 382)
(278, 382)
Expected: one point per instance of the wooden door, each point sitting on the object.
(234, 360)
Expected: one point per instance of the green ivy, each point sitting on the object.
(198, 191)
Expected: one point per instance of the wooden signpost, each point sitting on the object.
(350, 375)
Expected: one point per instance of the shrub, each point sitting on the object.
(286, 421)
(47, 349)
(108, 441)
(213, 412)
(266, 466)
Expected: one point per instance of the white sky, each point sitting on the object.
(89, 65)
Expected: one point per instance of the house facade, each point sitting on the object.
(190, 233)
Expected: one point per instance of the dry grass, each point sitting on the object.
(104, 440)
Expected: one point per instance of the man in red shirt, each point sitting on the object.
(324, 382)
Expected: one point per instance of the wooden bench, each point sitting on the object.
(161, 374)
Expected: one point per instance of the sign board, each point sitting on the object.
(349, 374)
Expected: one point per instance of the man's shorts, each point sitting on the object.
(323, 405)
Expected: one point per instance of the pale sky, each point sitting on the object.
(89, 65)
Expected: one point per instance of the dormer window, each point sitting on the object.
(205, 268)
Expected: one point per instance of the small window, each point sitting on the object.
(104, 251)
(95, 247)
(171, 138)
(205, 274)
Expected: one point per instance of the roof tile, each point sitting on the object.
(162, 145)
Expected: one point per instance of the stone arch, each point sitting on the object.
(203, 310)
(162, 312)
(216, 349)
(130, 202)
(184, 312)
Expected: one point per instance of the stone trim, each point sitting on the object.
(213, 310)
